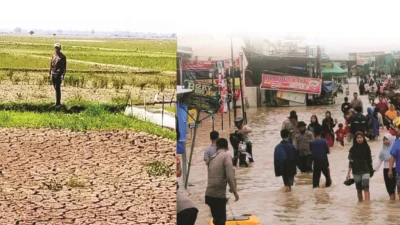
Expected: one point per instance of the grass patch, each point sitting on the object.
(90, 117)
(35, 52)
(167, 109)
(158, 168)
(76, 183)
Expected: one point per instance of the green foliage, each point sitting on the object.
(75, 116)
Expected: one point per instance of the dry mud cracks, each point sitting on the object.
(111, 165)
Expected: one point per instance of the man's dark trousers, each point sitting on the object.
(187, 217)
(218, 209)
(57, 87)
(317, 175)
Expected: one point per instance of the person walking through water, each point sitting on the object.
(302, 143)
(346, 106)
(372, 124)
(358, 123)
(384, 157)
(390, 115)
(185, 208)
(320, 150)
(313, 124)
(212, 149)
(360, 164)
(58, 68)
(356, 102)
(361, 87)
(290, 124)
(340, 134)
(220, 173)
(327, 128)
(395, 159)
(285, 161)
(244, 131)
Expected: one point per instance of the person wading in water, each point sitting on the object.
(58, 68)
(244, 131)
(327, 128)
(302, 144)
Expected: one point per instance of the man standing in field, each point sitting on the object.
(58, 68)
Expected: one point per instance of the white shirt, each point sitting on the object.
(385, 164)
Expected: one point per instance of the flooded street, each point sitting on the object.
(261, 193)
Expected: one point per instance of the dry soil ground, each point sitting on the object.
(110, 165)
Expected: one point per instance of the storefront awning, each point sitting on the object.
(335, 71)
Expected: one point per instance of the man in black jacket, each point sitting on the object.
(358, 122)
(58, 68)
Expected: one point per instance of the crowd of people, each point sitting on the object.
(307, 147)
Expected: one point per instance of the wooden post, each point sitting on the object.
(162, 116)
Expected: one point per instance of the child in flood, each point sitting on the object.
(384, 157)
(320, 150)
(360, 164)
(285, 160)
(340, 134)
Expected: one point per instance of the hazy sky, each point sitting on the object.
(337, 24)
(106, 15)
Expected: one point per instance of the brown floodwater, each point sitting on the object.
(261, 193)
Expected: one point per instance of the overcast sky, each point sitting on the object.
(106, 15)
(338, 24)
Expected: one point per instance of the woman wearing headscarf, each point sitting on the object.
(327, 129)
(360, 165)
(313, 124)
(384, 157)
(361, 87)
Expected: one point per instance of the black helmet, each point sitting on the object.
(238, 122)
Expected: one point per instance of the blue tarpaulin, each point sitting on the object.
(328, 86)
(182, 126)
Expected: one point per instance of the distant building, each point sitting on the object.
(183, 52)
(363, 58)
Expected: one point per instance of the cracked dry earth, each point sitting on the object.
(117, 189)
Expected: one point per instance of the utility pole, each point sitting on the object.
(242, 75)
(232, 74)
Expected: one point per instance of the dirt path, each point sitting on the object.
(117, 188)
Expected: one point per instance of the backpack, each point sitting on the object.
(358, 123)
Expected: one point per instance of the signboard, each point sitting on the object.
(291, 84)
(197, 65)
(197, 69)
(192, 117)
(205, 96)
(290, 96)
